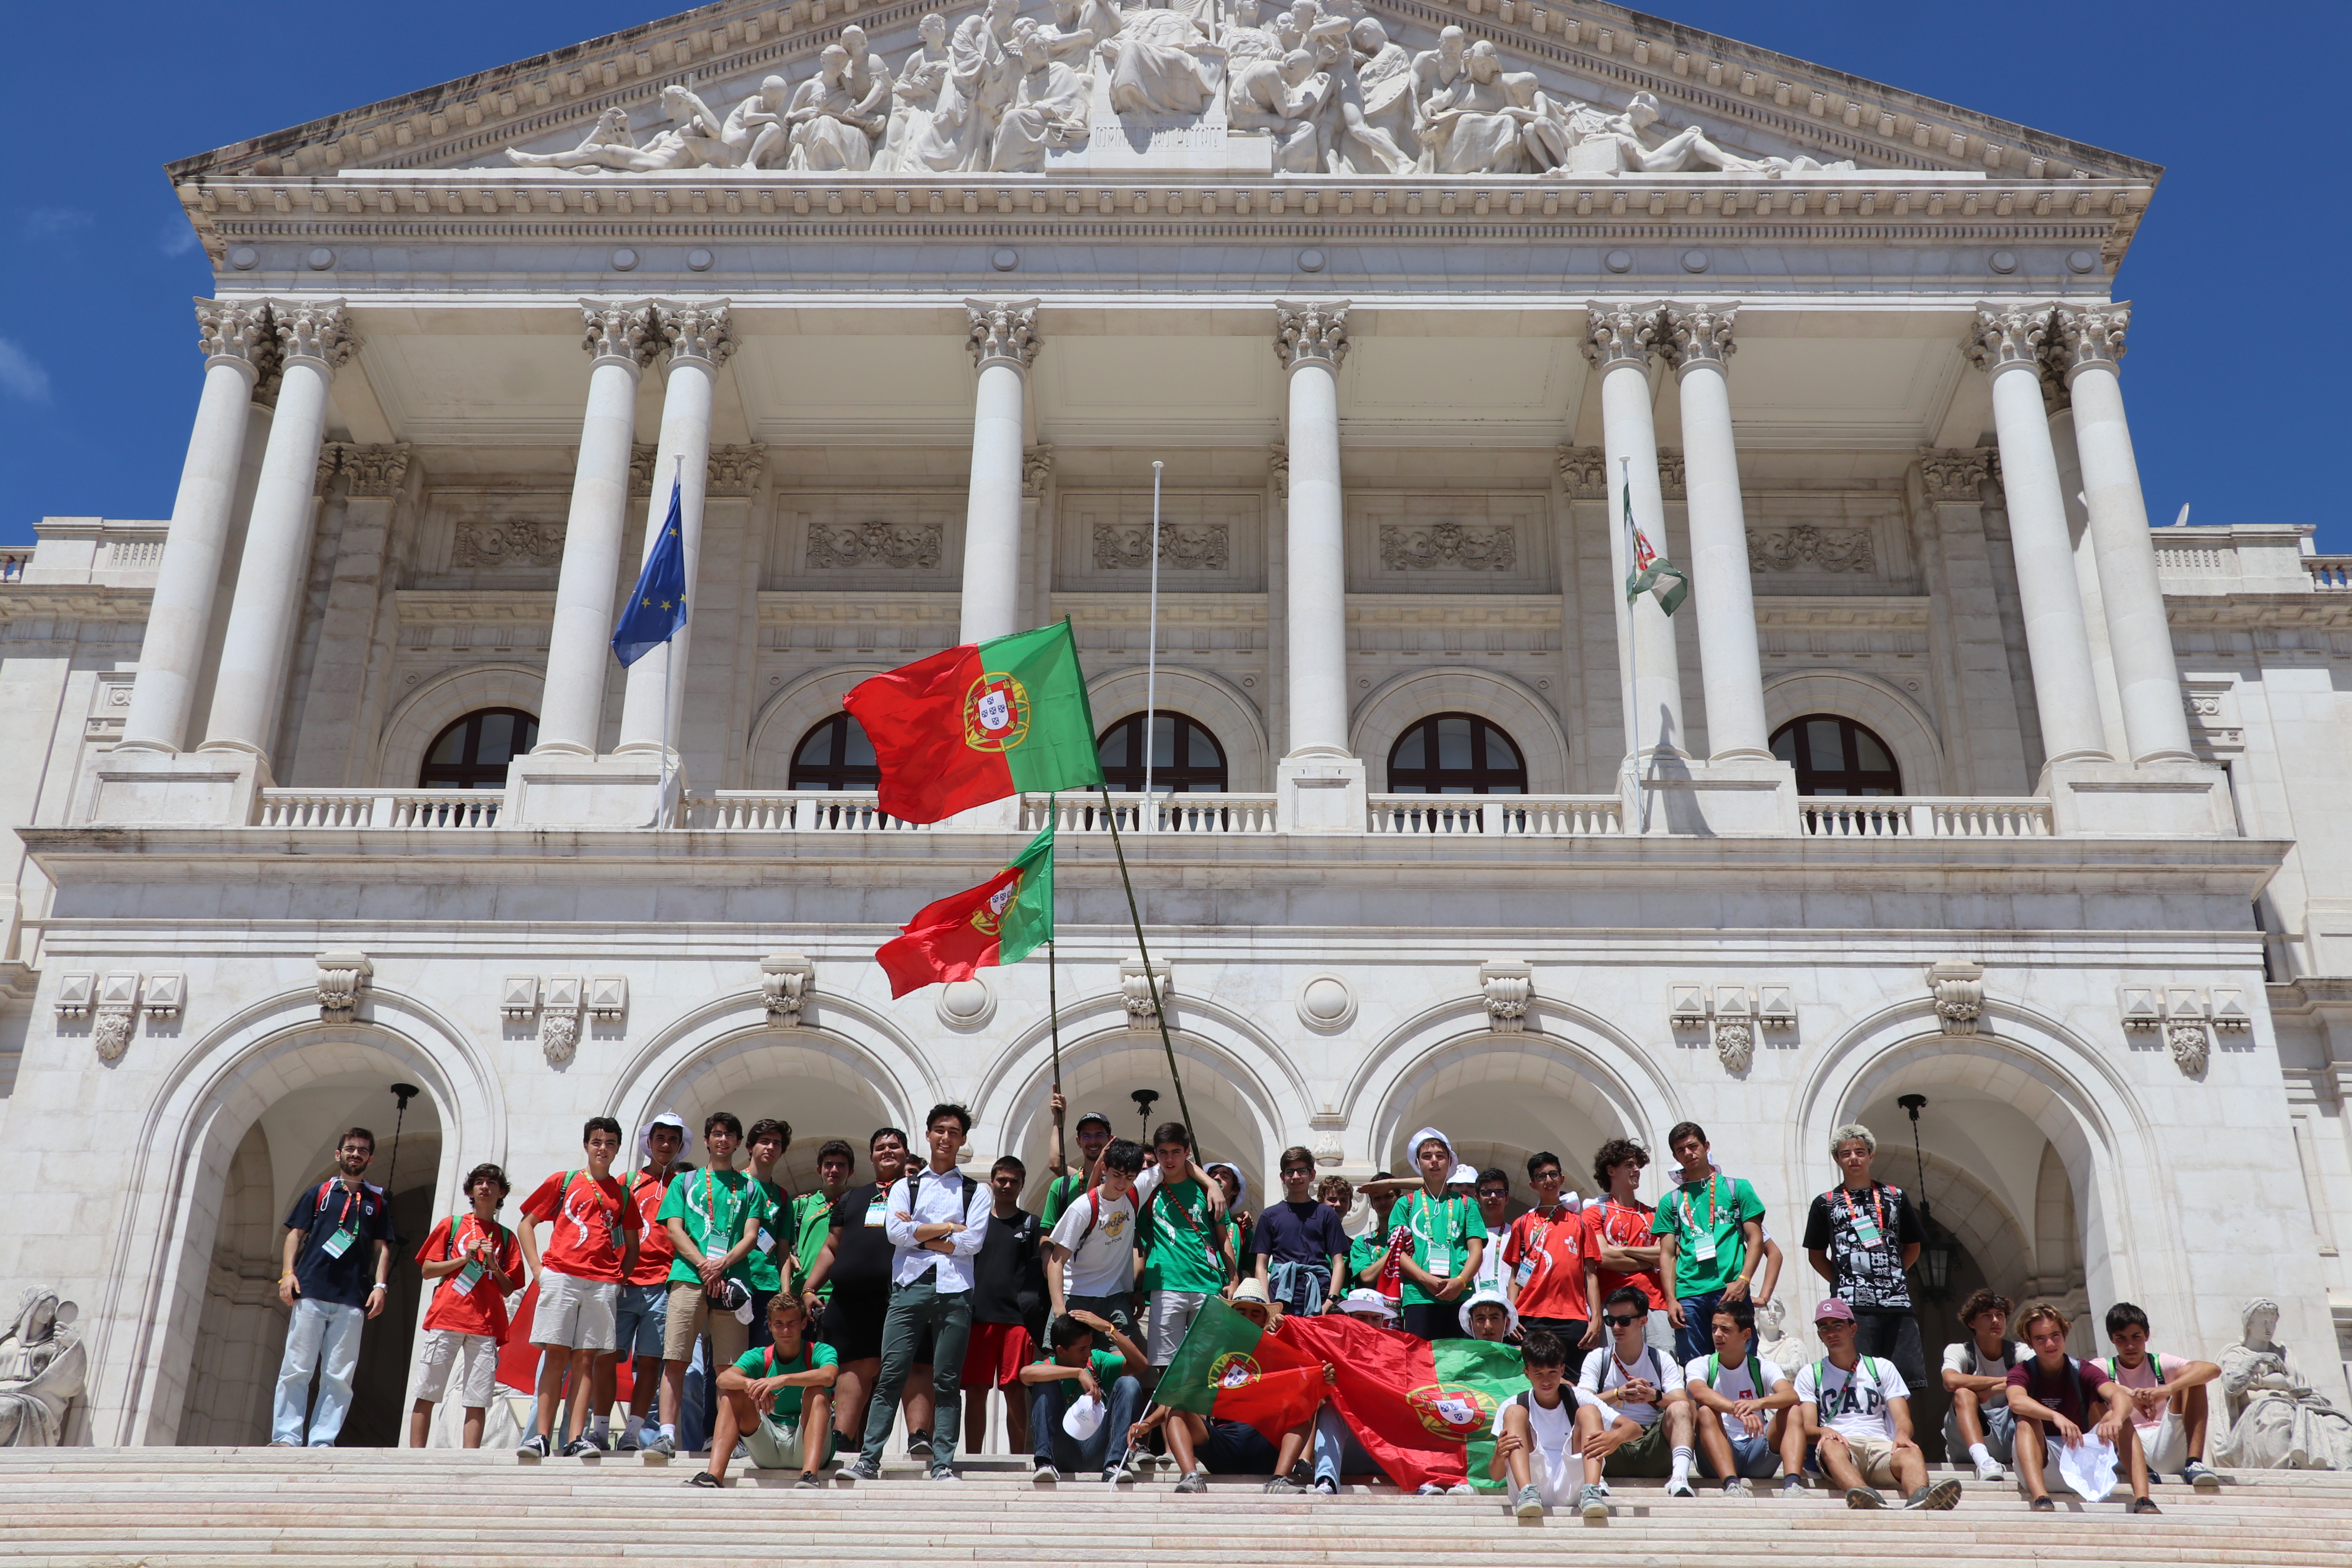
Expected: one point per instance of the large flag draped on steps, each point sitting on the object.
(1652, 573)
(1230, 1368)
(1423, 1410)
(1000, 921)
(980, 722)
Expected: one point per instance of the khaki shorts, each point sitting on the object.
(574, 1313)
(689, 1311)
(775, 1446)
(474, 1358)
(1650, 1454)
(1873, 1457)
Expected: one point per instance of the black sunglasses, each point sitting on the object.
(1616, 1323)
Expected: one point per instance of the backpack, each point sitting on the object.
(1869, 1363)
(1094, 1213)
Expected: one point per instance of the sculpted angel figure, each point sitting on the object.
(42, 1368)
(1048, 108)
(2277, 1420)
(915, 96)
(825, 128)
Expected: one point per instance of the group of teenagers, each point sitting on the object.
(827, 1313)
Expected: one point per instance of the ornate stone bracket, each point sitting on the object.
(1584, 470)
(1135, 991)
(1959, 989)
(1002, 331)
(1956, 473)
(343, 980)
(1733, 1018)
(1312, 331)
(2188, 1019)
(559, 1018)
(785, 981)
(117, 1012)
(1509, 988)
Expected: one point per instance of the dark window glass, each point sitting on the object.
(835, 755)
(1836, 756)
(473, 752)
(1456, 753)
(1185, 758)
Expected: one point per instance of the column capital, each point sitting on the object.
(621, 330)
(1036, 471)
(1585, 471)
(734, 470)
(1956, 473)
(700, 333)
(1701, 334)
(1311, 332)
(1001, 331)
(374, 471)
(1623, 334)
(2089, 335)
(1673, 484)
(236, 334)
(2008, 337)
(319, 330)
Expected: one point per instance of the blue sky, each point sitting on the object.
(2234, 391)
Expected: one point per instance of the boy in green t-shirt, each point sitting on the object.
(772, 1253)
(812, 1221)
(1447, 1238)
(772, 1398)
(711, 1215)
(1711, 1234)
(1094, 1136)
(1187, 1244)
(1079, 1370)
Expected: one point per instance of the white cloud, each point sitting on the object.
(20, 377)
(178, 238)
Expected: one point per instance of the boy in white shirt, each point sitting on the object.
(1856, 1412)
(1743, 1402)
(1090, 1257)
(1535, 1431)
(1630, 1408)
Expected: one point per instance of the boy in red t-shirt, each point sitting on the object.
(593, 1248)
(474, 1264)
(1619, 1250)
(1543, 1258)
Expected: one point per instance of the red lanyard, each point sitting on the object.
(1877, 1215)
(344, 1215)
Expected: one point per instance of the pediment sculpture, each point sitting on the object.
(43, 1365)
(1327, 91)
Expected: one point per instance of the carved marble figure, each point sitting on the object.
(825, 128)
(1473, 126)
(610, 145)
(42, 1367)
(2277, 1420)
(1160, 63)
(1384, 77)
(869, 75)
(915, 97)
(1282, 99)
(1349, 141)
(980, 81)
(1048, 109)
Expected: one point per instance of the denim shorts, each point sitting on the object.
(640, 1319)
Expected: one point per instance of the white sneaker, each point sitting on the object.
(1530, 1504)
(1991, 1470)
(1680, 1489)
(1045, 1475)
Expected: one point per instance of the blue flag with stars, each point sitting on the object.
(656, 608)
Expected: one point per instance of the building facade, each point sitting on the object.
(1952, 778)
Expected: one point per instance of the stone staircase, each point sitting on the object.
(186, 1508)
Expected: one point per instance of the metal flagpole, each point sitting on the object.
(1052, 989)
(1633, 650)
(1150, 977)
(669, 671)
(1150, 817)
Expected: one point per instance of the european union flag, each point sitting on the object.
(656, 607)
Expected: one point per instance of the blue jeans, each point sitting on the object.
(1750, 1457)
(321, 1332)
(1052, 1446)
(639, 1317)
(1695, 1337)
(1337, 1452)
(914, 1307)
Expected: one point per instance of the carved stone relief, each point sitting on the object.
(1467, 542)
(1200, 547)
(1449, 545)
(491, 542)
(1210, 540)
(876, 544)
(1822, 549)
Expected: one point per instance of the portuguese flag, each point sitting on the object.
(1000, 921)
(1230, 1368)
(1423, 1410)
(979, 722)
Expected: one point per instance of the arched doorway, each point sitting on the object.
(1501, 1098)
(1233, 1116)
(823, 1087)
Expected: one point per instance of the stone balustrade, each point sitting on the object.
(1923, 817)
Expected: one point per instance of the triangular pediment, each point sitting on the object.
(1722, 106)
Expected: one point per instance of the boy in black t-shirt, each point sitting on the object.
(857, 1262)
(1008, 1291)
(1301, 1251)
(1862, 1236)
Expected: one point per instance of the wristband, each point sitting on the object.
(379, 1285)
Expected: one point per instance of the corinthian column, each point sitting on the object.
(316, 339)
(700, 338)
(2007, 343)
(1728, 662)
(620, 340)
(237, 346)
(1312, 341)
(2156, 727)
(1619, 343)
(1004, 343)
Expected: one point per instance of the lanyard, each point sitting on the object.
(711, 1190)
(1426, 1211)
(1610, 1208)
(1688, 1219)
(611, 1217)
(1625, 1370)
(344, 1215)
(1877, 1215)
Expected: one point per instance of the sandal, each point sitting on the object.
(703, 1479)
(2043, 1505)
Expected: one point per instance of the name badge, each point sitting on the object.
(876, 1213)
(1866, 1231)
(767, 1243)
(339, 1243)
(1702, 1249)
(1527, 1270)
(1441, 1261)
(466, 1278)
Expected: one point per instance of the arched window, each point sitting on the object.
(835, 755)
(473, 754)
(1185, 758)
(1456, 753)
(1836, 756)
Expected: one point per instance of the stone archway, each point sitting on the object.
(820, 1084)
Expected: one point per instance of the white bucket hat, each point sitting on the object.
(1241, 1182)
(664, 1119)
(1362, 1303)
(1413, 1154)
(1488, 1293)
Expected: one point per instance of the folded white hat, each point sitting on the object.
(1084, 1418)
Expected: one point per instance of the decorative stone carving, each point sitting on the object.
(1278, 467)
(2087, 335)
(903, 544)
(559, 1038)
(1003, 331)
(493, 541)
(1036, 471)
(1509, 988)
(373, 470)
(1187, 547)
(1685, 1006)
(2229, 1013)
(2140, 1007)
(1701, 334)
(704, 333)
(734, 470)
(2276, 1419)
(1311, 333)
(608, 998)
(76, 992)
(784, 982)
(835, 120)
(343, 978)
(43, 1365)
(1137, 990)
(965, 1004)
(1958, 990)
(1445, 544)
(2007, 335)
(1824, 549)
(2190, 1046)
(328, 464)
(315, 330)
(1735, 1044)
(1672, 485)
(641, 455)
(109, 1032)
(1622, 334)
(619, 332)
(162, 995)
(234, 332)
(1049, 106)
(1584, 470)
(1327, 1003)
(518, 997)
(1956, 473)
(1329, 1148)
(915, 97)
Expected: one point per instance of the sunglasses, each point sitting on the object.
(1617, 1322)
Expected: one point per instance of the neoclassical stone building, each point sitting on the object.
(1952, 779)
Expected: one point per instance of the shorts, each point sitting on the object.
(689, 1311)
(1647, 1456)
(1873, 1457)
(1569, 1332)
(476, 1357)
(776, 1447)
(1999, 1430)
(1750, 1457)
(2166, 1443)
(1169, 1319)
(574, 1314)
(1235, 1449)
(1435, 1321)
(638, 1319)
(994, 1356)
(853, 1323)
(1558, 1478)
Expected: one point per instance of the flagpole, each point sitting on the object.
(1052, 989)
(1632, 648)
(669, 672)
(1148, 817)
(1150, 977)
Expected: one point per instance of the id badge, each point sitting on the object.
(1441, 1261)
(467, 1277)
(876, 1213)
(1527, 1270)
(1702, 1249)
(339, 1243)
(1866, 1231)
(767, 1243)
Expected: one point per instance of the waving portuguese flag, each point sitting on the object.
(1230, 1368)
(1000, 921)
(1423, 1410)
(979, 722)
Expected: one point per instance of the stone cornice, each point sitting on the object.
(74, 601)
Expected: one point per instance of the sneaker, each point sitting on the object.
(742, 1454)
(702, 1479)
(1045, 1475)
(1283, 1485)
(944, 1473)
(660, 1446)
(1936, 1498)
(860, 1471)
(579, 1447)
(1328, 1487)
(1864, 1497)
(1118, 1474)
(1792, 1486)
(918, 1444)
(809, 1481)
(2142, 1505)
(1461, 1488)
(2198, 1474)
(1530, 1504)
(1429, 1489)
(1738, 1486)
(1592, 1503)
(1680, 1489)
(631, 1441)
(533, 1447)
(1991, 1471)
(1192, 1482)
(2043, 1505)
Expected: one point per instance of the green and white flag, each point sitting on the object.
(1652, 572)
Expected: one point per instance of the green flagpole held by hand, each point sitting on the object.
(1150, 976)
(1053, 995)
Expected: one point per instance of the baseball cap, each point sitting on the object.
(1091, 1115)
(1833, 1311)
